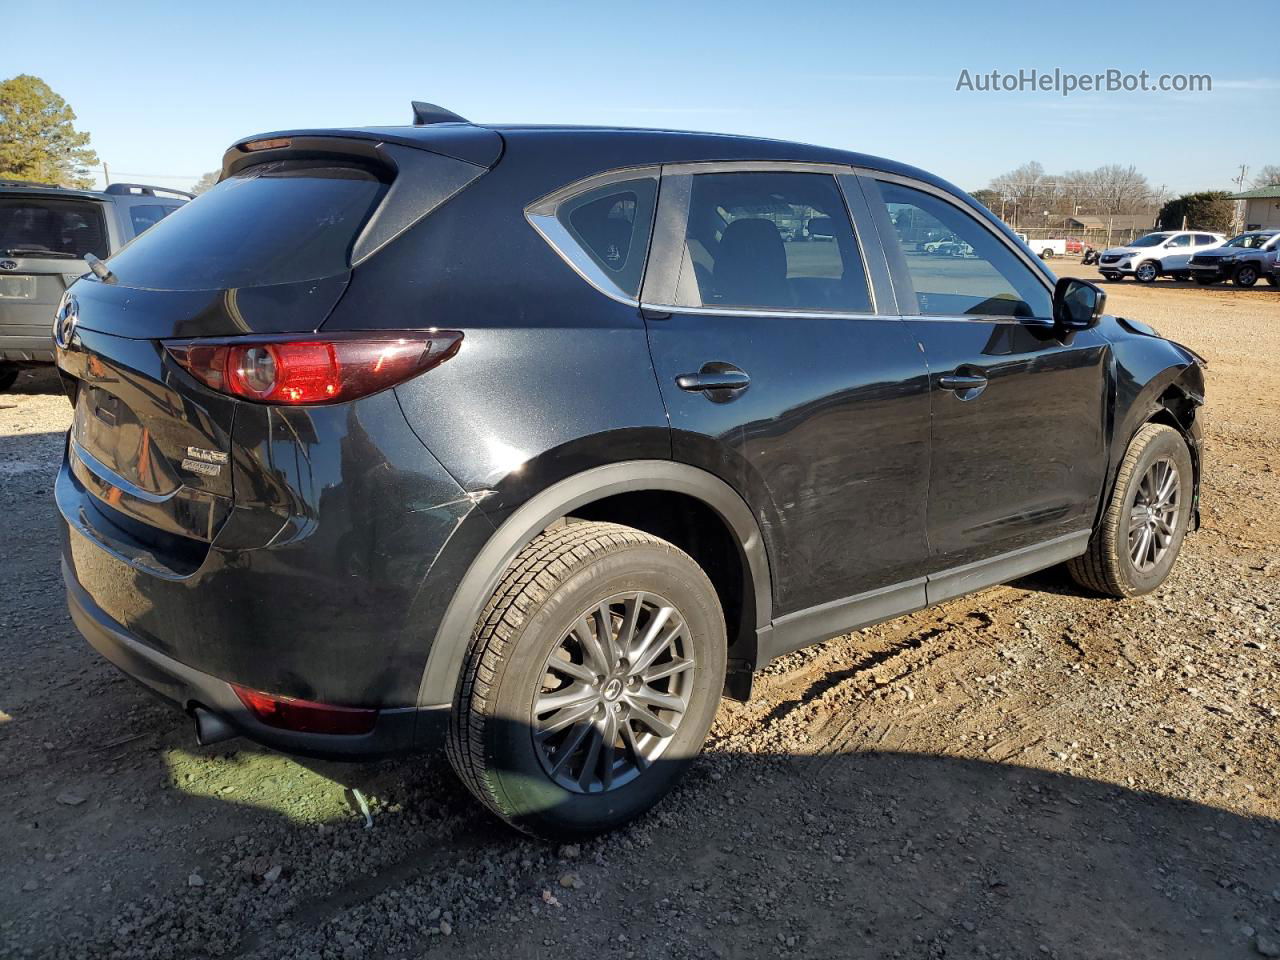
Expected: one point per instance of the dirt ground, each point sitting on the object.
(1029, 772)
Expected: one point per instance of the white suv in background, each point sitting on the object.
(1157, 254)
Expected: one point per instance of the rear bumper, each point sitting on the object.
(25, 348)
(395, 731)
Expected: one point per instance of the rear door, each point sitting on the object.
(780, 376)
(1018, 414)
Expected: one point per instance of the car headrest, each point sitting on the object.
(751, 264)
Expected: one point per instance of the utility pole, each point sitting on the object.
(106, 174)
(1237, 223)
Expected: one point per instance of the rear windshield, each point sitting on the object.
(48, 227)
(280, 222)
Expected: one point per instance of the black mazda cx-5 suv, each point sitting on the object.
(541, 439)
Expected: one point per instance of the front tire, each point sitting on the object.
(592, 679)
(1140, 535)
(1246, 275)
(1147, 272)
(1206, 281)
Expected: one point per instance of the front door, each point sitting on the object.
(1018, 432)
(779, 377)
(1176, 253)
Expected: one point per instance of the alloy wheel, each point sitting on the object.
(1153, 519)
(614, 691)
(1146, 272)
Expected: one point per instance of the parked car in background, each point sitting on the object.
(45, 234)
(1164, 254)
(365, 482)
(1241, 259)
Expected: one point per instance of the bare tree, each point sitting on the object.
(1118, 189)
(1023, 191)
(1268, 176)
(205, 182)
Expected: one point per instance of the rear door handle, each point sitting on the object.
(962, 381)
(718, 380)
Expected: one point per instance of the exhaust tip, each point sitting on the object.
(211, 728)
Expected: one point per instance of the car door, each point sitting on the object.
(1176, 253)
(779, 375)
(1018, 412)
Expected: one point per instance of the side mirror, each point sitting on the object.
(1077, 304)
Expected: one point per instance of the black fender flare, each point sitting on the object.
(453, 636)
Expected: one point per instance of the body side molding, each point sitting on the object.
(804, 627)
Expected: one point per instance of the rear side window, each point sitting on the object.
(281, 222)
(144, 216)
(1203, 239)
(771, 241)
(50, 227)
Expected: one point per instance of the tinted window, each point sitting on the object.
(969, 272)
(1203, 239)
(772, 241)
(146, 215)
(40, 227)
(612, 225)
(1181, 240)
(277, 222)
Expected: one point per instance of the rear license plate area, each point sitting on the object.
(17, 287)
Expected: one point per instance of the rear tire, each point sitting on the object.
(1117, 562)
(542, 640)
(8, 376)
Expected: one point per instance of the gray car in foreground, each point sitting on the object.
(45, 234)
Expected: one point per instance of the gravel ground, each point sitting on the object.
(1030, 772)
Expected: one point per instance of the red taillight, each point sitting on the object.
(305, 716)
(312, 369)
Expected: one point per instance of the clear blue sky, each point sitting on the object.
(164, 88)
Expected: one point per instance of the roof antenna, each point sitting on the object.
(425, 113)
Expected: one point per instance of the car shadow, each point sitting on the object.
(839, 852)
(34, 380)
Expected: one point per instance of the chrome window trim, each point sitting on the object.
(821, 315)
(754, 166)
(671, 221)
(541, 215)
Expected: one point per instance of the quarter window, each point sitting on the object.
(1203, 239)
(611, 224)
(954, 265)
(774, 241)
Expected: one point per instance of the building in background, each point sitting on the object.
(1261, 207)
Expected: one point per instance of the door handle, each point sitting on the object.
(713, 380)
(962, 381)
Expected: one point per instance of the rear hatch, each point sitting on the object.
(265, 251)
(43, 241)
(269, 250)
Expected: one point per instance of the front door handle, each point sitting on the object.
(718, 380)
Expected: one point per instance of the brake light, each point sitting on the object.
(305, 716)
(312, 369)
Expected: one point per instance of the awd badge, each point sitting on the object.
(207, 463)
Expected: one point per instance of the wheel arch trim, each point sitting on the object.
(453, 636)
